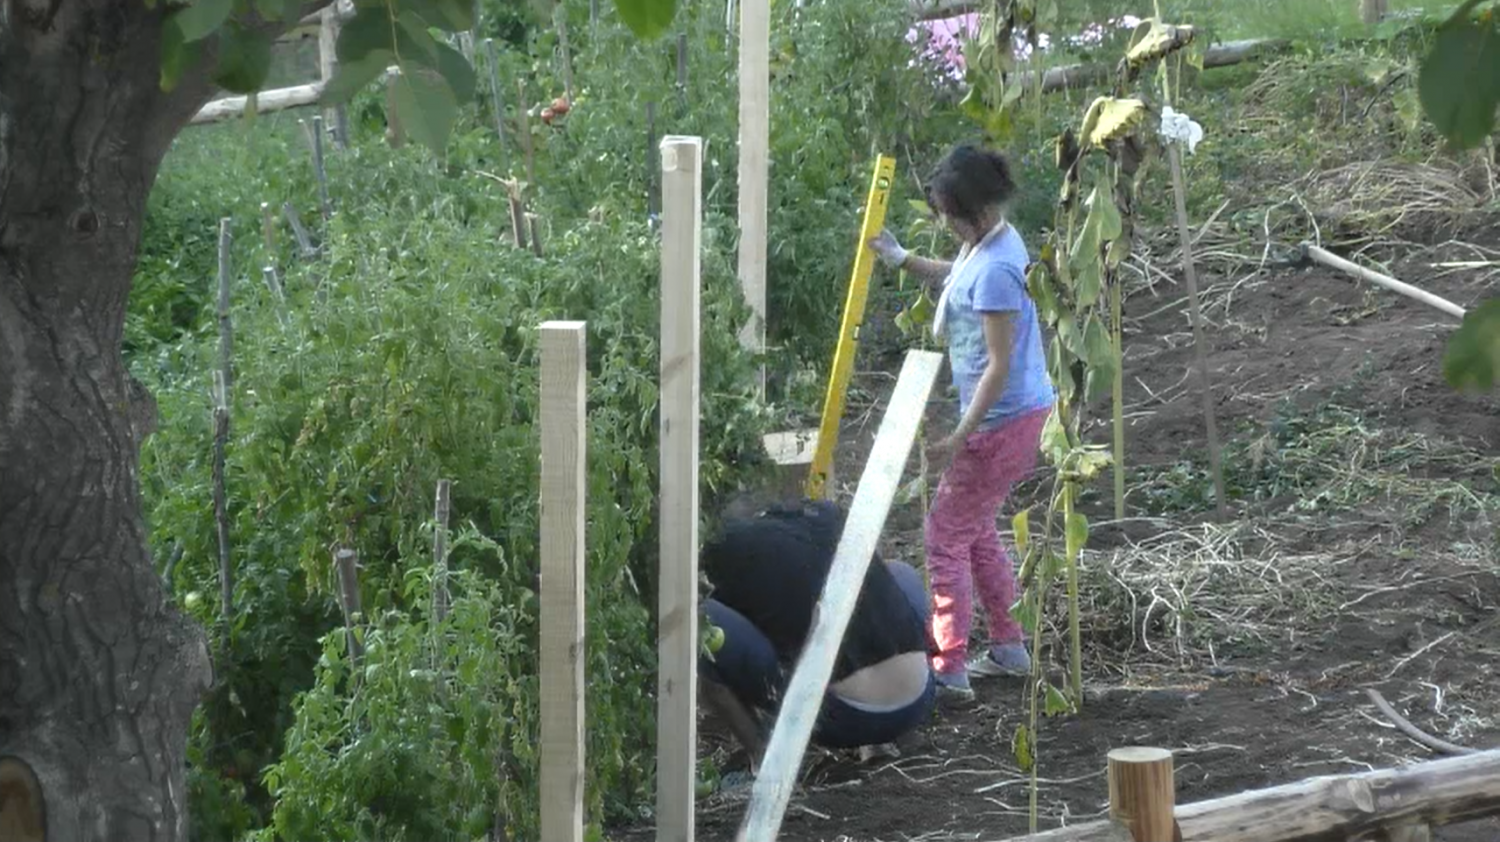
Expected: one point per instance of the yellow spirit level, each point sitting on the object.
(854, 315)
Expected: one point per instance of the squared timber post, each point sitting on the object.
(677, 682)
(563, 429)
(754, 168)
(803, 698)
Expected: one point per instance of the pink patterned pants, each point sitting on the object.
(963, 544)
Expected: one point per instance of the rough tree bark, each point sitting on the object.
(99, 674)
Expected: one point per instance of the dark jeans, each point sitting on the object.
(748, 666)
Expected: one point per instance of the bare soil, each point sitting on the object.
(1376, 577)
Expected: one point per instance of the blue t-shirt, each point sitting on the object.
(994, 281)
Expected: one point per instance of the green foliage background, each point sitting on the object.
(408, 354)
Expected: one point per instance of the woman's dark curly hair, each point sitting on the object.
(968, 181)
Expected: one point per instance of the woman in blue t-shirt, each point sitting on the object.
(1004, 398)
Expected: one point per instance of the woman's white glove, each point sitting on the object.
(887, 249)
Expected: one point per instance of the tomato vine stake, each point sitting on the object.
(440, 550)
(346, 564)
(563, 427)
(223, 382)
(329, 24)
(876, 202)
(677, 680)
(772, 790)
(318, 169)
(495, 101)
(754, 166)
(523, 125)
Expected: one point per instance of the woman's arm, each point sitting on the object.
(998, 331)
(926, 269)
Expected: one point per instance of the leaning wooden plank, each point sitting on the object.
(866, 518)
(1439, 792)
(677, 626)
(563, 429)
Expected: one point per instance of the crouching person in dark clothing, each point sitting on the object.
(767, 574)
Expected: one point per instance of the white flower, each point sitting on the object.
(1178, 127)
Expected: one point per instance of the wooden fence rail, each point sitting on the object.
(1404, 800)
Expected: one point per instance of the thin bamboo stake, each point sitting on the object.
(523, 124)
(495, 101)
(440, 552)
(560, 19)
(318, 169)
(1118, 389)
(346, 562)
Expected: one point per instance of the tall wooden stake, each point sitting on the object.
(563, 428)
(677, 684)
(754, 168)
(1200, 352)
(560, 18)
(318, 168)
(346, 566)
(523, 125)
(221, 497)
(440, 510)
(1142, 793)
(495, 100)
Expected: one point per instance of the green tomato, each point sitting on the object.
(192, 600)
(715, 638)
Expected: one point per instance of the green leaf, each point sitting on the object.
(1021, 747)
(285, 11)
(911, 491)
(1021, 526)
(1088, 462)
(1099, 357)
(367, 32)
(1052, 565)
(1024, 613)
(1076, 534)
(202, 18)
(648, 19)
(1039, 286)
(457, 71)
(1459, 81)
(1055, 702)
(1054, 441)
(1472, 360)
(244, 59)
(176, 55)
(352, 77)
(1072, 338)
(425, 105)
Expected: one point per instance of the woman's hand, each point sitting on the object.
(887, 249)
(940, 453)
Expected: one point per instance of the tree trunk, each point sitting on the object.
(99, 674)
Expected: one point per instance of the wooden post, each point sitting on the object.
(533, 227)
(330, 21)
(440, 551)
(273, 283)
(304, 242)
(754, 169)
(221, 498)
(564, 425)
(318, 168)
(867, 513)
(1372, 11)
(523, 125)
(677, 682)
(347, 561)
(1200, 353)
(395, 133)
(268, 229)
(1142, 793)
(223, 382)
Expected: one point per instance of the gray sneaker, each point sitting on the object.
(954, 686)
(1008, 659)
